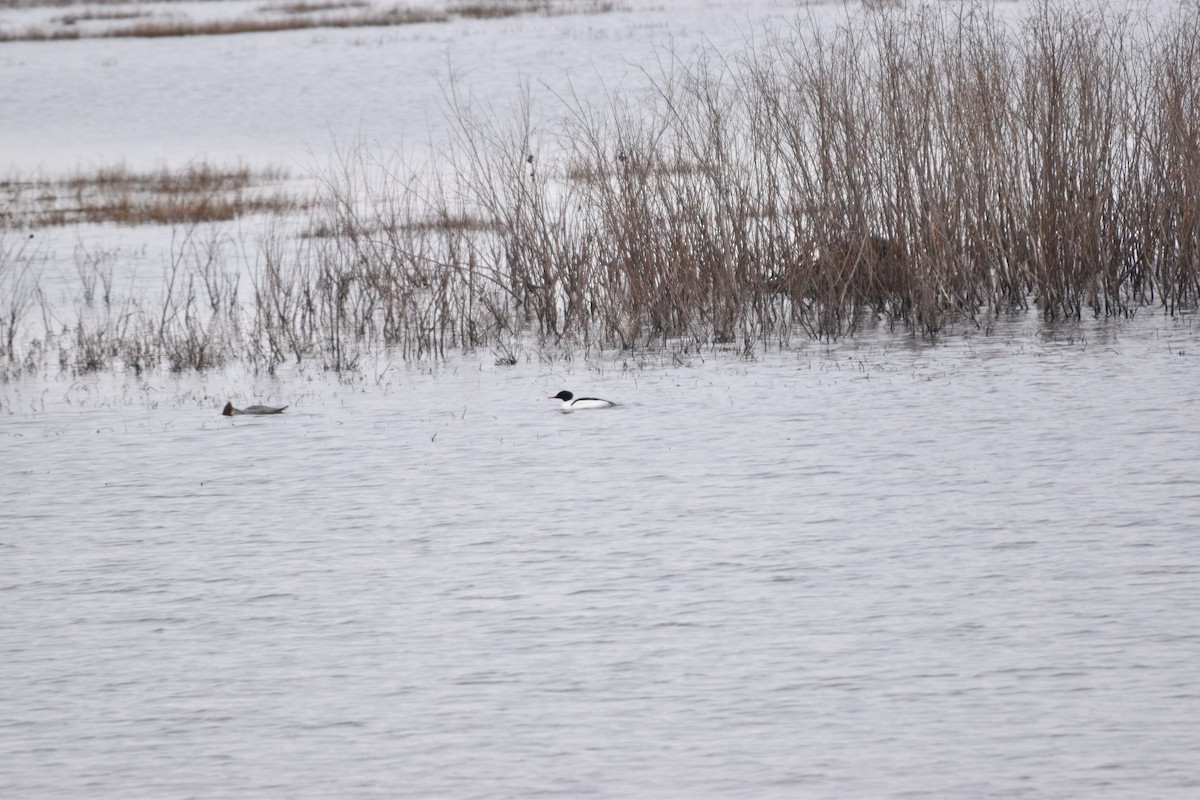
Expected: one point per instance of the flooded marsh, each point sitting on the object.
(899, 496)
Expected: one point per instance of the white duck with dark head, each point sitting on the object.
(572, 403)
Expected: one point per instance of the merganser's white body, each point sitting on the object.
(230, 411)
(572, 403)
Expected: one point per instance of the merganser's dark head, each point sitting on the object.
(228, 410)
(564, 395)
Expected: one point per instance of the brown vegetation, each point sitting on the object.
(359, 19)
(292, 16)
(302, 7)
(497, 9)
(199, 193)
(914, 170)
(92, 16)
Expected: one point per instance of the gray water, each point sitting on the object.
(873, 569)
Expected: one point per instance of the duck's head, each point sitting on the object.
(228, 410)
(564, 395)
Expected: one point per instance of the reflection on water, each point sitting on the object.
(874, 569)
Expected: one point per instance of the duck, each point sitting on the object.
(230, 411)
(572, 403)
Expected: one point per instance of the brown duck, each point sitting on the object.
(230, 411)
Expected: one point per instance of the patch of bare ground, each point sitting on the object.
(198, 193)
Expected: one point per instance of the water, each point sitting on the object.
(285, 98)
(877, 569)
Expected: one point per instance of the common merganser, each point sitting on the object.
(572, 403)
(230, 411)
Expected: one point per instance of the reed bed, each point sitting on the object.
(908, 169)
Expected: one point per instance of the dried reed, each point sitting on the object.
(197, 193)
(910, 167)
(915, 169)
(292, 16)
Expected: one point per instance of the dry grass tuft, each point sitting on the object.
(290, 16)
(94, 16)
(59, 3)
(497, 9)
(198, 193)
(39, 35)
(365, 19)
(312, 8)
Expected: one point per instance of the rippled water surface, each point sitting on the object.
(876, 569)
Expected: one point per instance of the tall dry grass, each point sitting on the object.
(913, 169)
(916, 167)
(18, 290)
